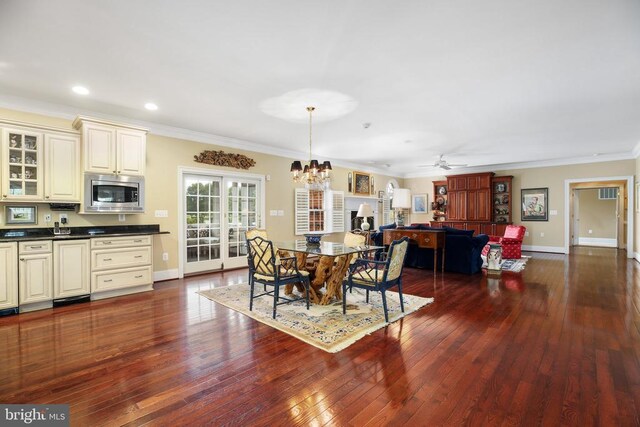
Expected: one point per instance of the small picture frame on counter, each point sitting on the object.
(21, 214)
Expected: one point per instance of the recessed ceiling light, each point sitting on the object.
(80, 90)
(150, 106)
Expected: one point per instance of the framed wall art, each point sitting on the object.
(535, 204)
(361, 183)
(21, 214)
(419, 203)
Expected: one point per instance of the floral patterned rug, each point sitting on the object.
(323, 326)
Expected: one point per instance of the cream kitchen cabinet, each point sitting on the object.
(112, 149)
(121, 265)
(71, 268)
(22, 171)
(8, 275)
(62, 168)
(35, 272)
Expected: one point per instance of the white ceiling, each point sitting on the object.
(483, 82)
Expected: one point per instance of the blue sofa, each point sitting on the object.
(462, 250)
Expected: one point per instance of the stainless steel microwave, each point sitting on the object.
(113, 193)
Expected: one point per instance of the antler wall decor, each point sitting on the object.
(220, 158)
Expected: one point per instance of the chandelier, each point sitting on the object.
(314, 174)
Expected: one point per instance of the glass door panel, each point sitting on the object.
(242, 214)
(203, 223)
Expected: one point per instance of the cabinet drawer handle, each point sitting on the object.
(35, 247)
(138, 256)
(46, 197)
(138, 277)
(21, 259)
(106, 243)
(137, 241)
(108, 280)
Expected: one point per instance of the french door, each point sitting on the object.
(218, 210)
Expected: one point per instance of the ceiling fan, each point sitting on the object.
(442, 164)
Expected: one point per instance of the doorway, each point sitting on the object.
(596, 214)
(625, 213)
(216, 210)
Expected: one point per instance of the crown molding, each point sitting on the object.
(526, 165)
(71, 113)
(636, 151)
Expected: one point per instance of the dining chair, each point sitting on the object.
(272, 271)
(379, 276)
(354, 239)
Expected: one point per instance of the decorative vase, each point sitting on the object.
(494, 257)
(313, 239)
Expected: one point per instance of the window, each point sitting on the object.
(318, 211)
(608, 193)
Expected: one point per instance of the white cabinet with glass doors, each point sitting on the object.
(22, 165)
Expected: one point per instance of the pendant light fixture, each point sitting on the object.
(314, 174)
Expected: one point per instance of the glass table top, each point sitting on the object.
(325, 248)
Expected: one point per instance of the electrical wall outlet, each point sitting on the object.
(64, 217)
(542, 234)
(121, 217)
(47, 218)
(165, 256)
(526, 233)
(590, 231)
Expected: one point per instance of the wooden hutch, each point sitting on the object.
(476, 201)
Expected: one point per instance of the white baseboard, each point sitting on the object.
(165, 275)
(552, 249)
(597, 241)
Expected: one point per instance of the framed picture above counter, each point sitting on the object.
(21, 214)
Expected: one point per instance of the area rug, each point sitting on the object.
(323, 326)
(513, 265)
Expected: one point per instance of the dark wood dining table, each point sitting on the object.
(331, 268)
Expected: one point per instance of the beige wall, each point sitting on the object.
(637, 208)
(548, 233)
(596, 215)
(164, 156)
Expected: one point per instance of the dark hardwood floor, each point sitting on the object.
(556, 344)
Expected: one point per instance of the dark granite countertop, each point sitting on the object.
(16, 234)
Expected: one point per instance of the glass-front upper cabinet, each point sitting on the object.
(22, 165)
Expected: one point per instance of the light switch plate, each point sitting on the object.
(162, 213)
(273, 212)
(280, 213)
(553, 212)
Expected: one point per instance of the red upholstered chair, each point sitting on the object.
(511, 242)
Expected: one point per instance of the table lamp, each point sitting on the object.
(401, 201)
(364, 212)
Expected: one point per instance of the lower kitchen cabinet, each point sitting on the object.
(121, 265)
(8, 275)
(36, 284)
(71, 268)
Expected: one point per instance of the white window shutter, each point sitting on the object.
(386, 211)
(337, 211)
(302, 211)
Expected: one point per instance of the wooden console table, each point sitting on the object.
(430, 239)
